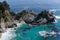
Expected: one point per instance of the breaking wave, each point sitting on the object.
(57, 17)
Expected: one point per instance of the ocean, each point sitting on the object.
(31, 33)
(25, 32)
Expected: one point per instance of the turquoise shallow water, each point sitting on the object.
(31, 33)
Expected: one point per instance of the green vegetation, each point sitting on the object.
(6, 5)
(22, 13)
(3, 6)
(8, 15)
(12, 13)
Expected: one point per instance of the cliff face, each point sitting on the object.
(5, 11)
(8, 15)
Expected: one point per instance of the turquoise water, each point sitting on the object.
(31, 33)
(26, 32)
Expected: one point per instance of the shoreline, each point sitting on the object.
(18, 24)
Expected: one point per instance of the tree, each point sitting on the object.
(12, 13)
(21, 14)
(6, 5)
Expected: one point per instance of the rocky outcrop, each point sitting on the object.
(29, 17)
(5, 15)
(42, 18)
(46, 15)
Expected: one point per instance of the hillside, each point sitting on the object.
(5, 11)
(27, 16)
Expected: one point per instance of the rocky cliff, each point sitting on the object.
(42, 18)
(5, 11)
(28, 16)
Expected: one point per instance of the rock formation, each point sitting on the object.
(28, 16)
(42, 18)
(5, 15)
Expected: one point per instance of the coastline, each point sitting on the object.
(18, 24)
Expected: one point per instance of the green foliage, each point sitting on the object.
(2, 15)
(3, 6)
(21, 14)
(43, 13)
(12, 13)
(24, 13)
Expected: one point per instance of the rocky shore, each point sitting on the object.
(10, 19)
(44, 17)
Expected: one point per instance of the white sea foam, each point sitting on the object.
(46, 34)
(55, 10)
(52, 33)
(9, 34)
(43, 33)
(57, 17)
(55, 21)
